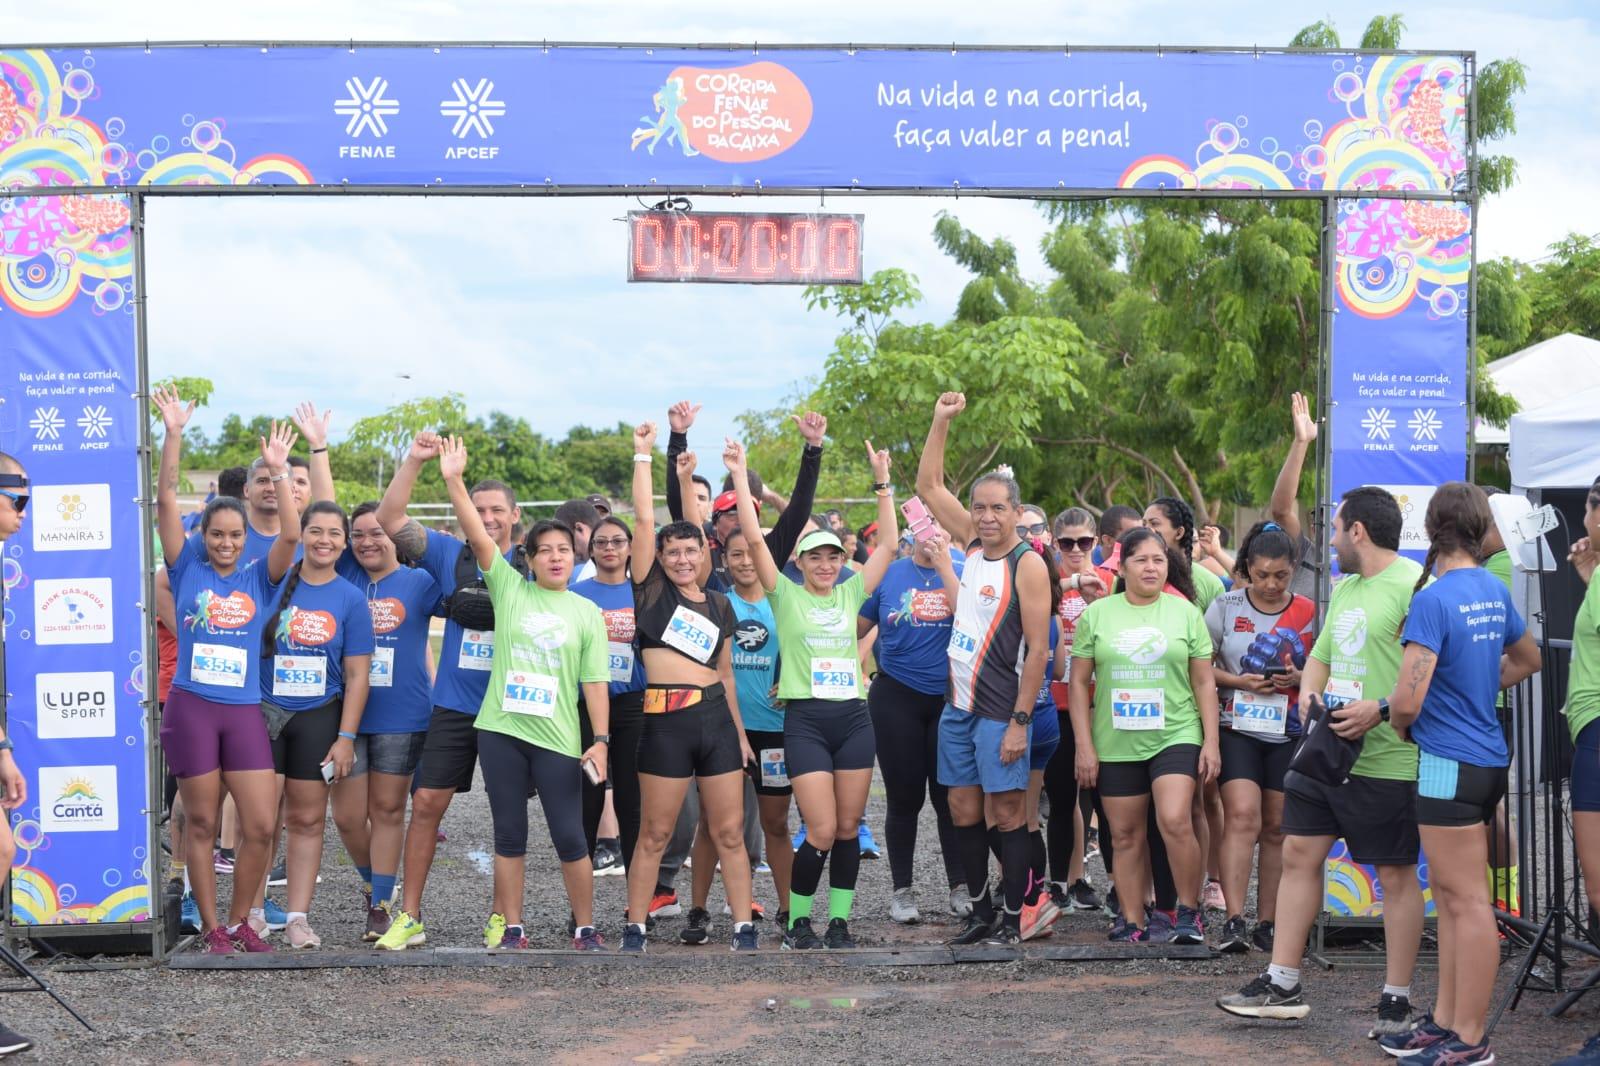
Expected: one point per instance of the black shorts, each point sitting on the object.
(450, 751)
(1134, 778)
(1376, 817)
(698, 741)
(821, 736)
(770, 767)
(301, 739)
(1451, 793)
(1248, 758)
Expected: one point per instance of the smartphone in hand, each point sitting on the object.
(919, 523)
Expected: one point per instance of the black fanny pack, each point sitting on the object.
(1323, 756)
(470, 606)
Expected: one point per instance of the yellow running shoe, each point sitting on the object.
(404, 932)
(494, 931)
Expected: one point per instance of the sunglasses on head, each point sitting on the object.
(1083, 544)
(19, 500)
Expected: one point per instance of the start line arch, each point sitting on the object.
(1384, 142)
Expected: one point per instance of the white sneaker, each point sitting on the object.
(960, 902)
(903, 908)
(300, 934)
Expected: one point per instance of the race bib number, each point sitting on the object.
(533, 694)
(299, 675)
(218, 664)
(963, 645)
(833, 679)
(381, 673)
(477, 650)
(1339, 693)
(774, 771)
(1138, 709)
(1267, 716)
(691, 633)
(620, 657)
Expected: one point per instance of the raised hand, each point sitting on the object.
(313, 427)
(733, 458)
(1583, 557)
(813, 427)
(174, 415)
(949, 405)
(687, 463)
(426, 446)
(680, 416)
(275, 448)
(644, 438)
(1207, 541)
(1305, 427)
(452, 457)
(879, 461)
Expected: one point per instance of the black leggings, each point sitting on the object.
(1061, 785)
(513, 767)
(906, 725)
(627, 722)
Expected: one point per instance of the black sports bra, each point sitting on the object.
(664, 618)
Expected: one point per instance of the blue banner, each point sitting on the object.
(523, 116)
(74, 629)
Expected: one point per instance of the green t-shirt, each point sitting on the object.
(545, 644)
(1499, 564)
(1207, 587)
(817, 638)
(1360, 642)
(1583, 681)
(1141, 660)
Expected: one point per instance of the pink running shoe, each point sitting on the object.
(245, 939)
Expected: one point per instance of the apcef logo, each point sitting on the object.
(388, 615)
(72, 611)
(78, 798)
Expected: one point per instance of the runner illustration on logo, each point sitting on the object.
(667, 123)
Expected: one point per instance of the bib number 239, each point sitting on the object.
(833, 679)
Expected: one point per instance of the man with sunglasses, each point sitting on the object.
(14, 492)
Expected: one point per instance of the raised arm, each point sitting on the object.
(888, 531)
(686, 463)
(313, 428)
(749, 521)
(644, 508)
(275, 450)
(680, 416)
(1285, 504)
(169, 523)
(453, 468)
(930, 471)
(785, 533)
(410, 539)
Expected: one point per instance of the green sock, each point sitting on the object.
(839, 902)
(799, 907)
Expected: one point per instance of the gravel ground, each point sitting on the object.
(705, 1005)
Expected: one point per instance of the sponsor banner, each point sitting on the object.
(536, 116)
(72, 615)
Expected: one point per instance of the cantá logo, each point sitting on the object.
(78, 801)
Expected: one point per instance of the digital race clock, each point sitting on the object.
(753, 248)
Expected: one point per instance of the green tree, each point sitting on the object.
(1564, 289)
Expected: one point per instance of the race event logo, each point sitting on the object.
(546, 631)
(71, 518)
(72, 610)
(76, 799)
(733, 115)
(232, 611)
(825, 617)
(619, 625)
(306, 629)
(1350, 632)
(72, 705)
(388, 615)
(1142, 645)
(921, 607)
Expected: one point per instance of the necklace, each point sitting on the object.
(926, 575)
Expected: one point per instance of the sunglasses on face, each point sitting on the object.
(1083, 544)
(1035, 530)
(19, 500)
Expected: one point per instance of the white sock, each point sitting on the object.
(296, 914)
(1398, 991)
(187, 887)
(1283, 976)
(636, 925)
(737, 926)
(257, 912)
(583, 930)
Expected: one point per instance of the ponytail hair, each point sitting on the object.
(1265, 540)
(1042, 549)
(1178, 575)
(1179, 514)
(291, 580)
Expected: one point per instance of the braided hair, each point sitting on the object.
(291, 581)
(1182, 518)
(1178, 573)
(1458, 518)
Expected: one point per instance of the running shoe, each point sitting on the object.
(1038, 917)
(1261, 938)
(404, 932)
(300, 934)
(439, 837)
(1211, 898)
(1235, 936)
(1125, 932)
(745, 938)
(259, 924)
(12, 1042)
(1083, 895)
(665, 904)
(1454, 1052)
(1394, 1016)
(1190, 928)
(607, 861)
(279, 875)
(698, 928)
(246, 939)
(494, 930)
(801, 937)
(378, 922)
(758, 913)
(869, 847)
(782, 920)
(276, 917)
(221, 863)
(976, 932)
(838, 935)
(633, 940)
(1588, 1055)
(762, 868)
(1004, 936)
(188, 914)
(515, 939)
(960, 902)
(1263, 999)
(903, 908)
(1159, 926)
(589, 940)
(216, 942)
(1415, 1040)
(1112, 906)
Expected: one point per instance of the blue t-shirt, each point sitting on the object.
(622, 651)
(755, 663)
(467, 656)
(219, 626)
(1467, 620)
(318, 626)
(401, 605)
(913, 617)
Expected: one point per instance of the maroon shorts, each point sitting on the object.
(199, 736)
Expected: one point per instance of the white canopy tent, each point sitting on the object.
(1557, 445)
(1542, 374)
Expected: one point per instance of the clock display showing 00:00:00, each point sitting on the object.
(794, 249)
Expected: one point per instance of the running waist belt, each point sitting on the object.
(668, 699)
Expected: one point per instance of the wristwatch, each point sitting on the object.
(603, 738)
(1022, 717)
(5, 744)
(1383, 710)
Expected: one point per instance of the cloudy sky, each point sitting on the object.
(422, 295)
